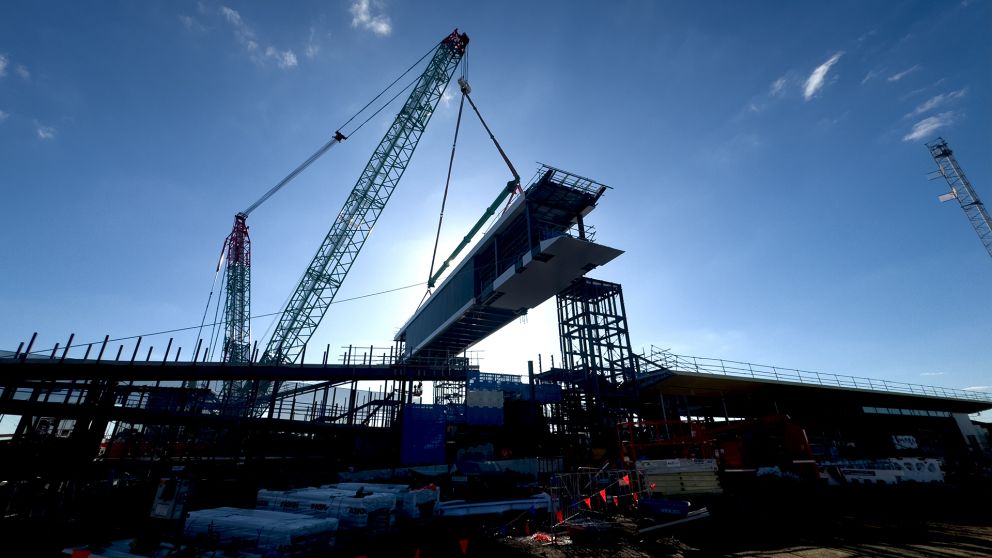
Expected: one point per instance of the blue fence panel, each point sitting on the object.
(484, 415)
(423, 435)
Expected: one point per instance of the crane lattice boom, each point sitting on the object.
(237, 305)
(961, 189)
(337, 252)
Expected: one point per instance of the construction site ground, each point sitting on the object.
(911, 521)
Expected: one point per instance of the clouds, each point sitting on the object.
(777, 87)
(929, 125)
(249, 42)
(243, 33)
(45, 132)
(3, 116)
(816, 79)
(362, 16)
(284, 59)
(312, 46)
(21, 69)
(191, 24)
(936, 101)
(898, 76)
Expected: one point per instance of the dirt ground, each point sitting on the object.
(888, 522)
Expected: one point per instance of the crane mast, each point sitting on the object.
(237, 253)
(329, 267)
(237, 305)
(961, 189)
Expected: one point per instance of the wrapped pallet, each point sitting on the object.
(354, 510)
(268, 533)
(411, 503)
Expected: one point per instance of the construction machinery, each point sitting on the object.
(354, 222)
(960, 189)
(336, 254)
(323, 276)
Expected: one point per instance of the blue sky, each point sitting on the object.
(767, 159)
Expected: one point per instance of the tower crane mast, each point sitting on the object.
(352, 225)
(237, 253)
(961, 189)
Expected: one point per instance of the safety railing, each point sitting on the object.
(665, 360)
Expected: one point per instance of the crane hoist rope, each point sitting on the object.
(444, 199)
(338, 135)
(512, 188)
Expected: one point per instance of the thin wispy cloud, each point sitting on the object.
(3, 115)
(923, 89)
(776, 90)
(978, 388)
(313, 47)
(904, 73)
(191, 23)
(362, 16)
(23, 72)
(45, 132)
(447, 97)
(936, 101)
(4, 62)
(869, 76)
(926, 127)
(777, 87)
(246, 37)
(242, 32)
(816, 79)
(931, 373)
(284, 58)
(864, 36)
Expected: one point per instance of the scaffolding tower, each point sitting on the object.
(599, 367)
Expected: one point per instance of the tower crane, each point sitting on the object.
(354, 222)
(237, 253)
(337, 252)
(947, 166)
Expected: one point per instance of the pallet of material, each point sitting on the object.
(411, 503)
(353, 510)
(267, 533)
(649, 466)
(685, 483)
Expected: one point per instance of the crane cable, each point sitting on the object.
(213, 284)
(466, 89)
(338, 135)
(222, 322)
(444, 200)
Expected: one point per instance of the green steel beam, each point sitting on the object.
(511, 186)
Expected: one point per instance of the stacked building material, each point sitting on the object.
(411, 503)
(268, 533)
(354, 509)
(672, 477)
